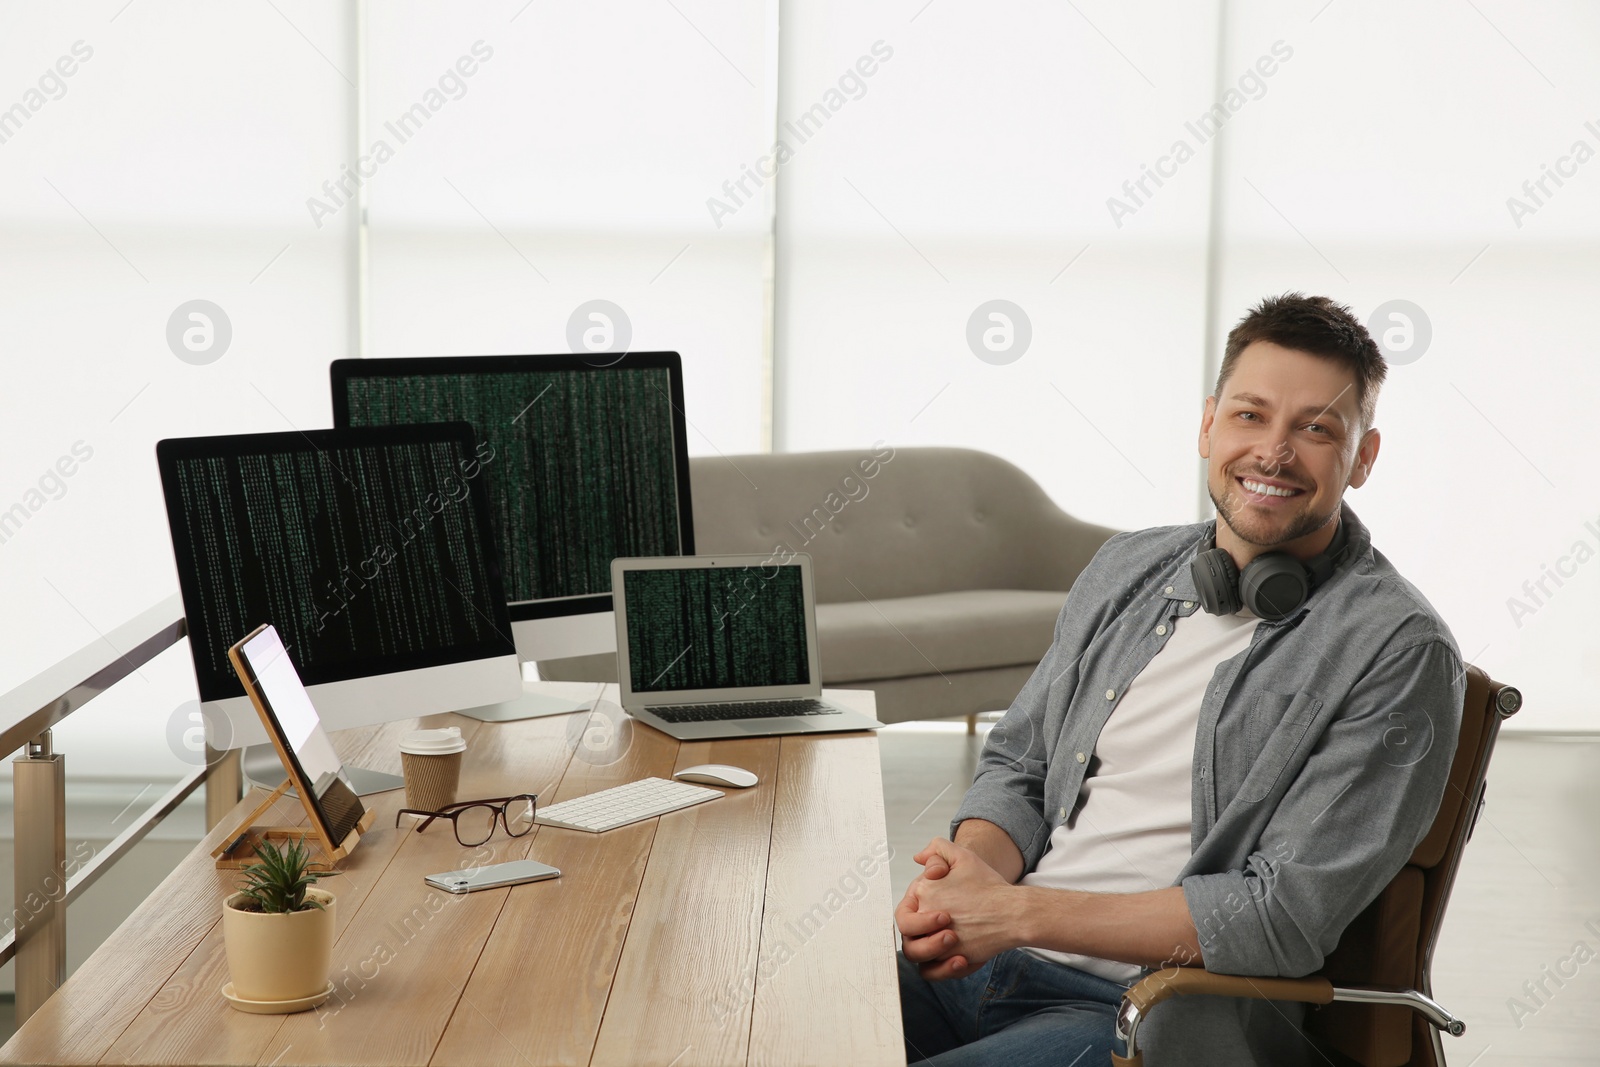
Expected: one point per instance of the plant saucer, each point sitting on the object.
(275, 1007)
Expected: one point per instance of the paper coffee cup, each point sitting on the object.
(431, 762)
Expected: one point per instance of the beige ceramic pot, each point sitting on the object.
(278, 957)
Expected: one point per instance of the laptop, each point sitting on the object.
(722, 646)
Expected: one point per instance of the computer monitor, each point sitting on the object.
(589, 462)
(371, 553)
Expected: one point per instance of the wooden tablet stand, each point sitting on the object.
(239, 848)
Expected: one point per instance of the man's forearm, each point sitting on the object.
(1150, 929)
(993, 844)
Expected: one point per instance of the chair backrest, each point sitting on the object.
(1391, 943)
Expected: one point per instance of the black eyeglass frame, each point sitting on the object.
(454, 811)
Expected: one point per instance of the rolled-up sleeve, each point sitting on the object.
(1008, 786)
(1362, 802)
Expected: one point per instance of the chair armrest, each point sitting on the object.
(1193, 981)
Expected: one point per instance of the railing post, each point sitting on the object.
(39, 795)
(224, 784)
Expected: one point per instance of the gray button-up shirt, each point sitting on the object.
(1320, 758)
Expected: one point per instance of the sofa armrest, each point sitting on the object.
(1055, 548)
(597, 668)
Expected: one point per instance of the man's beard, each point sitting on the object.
(1230, 505)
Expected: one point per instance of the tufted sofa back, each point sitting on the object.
(886, 522)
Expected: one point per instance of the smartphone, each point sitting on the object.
(492, 877)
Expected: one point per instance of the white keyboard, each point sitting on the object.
(624, 804)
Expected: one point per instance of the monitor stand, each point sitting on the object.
(262, 766)
(538, 700)
(558, 637)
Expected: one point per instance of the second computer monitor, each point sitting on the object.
(589, 463)
(370, 551)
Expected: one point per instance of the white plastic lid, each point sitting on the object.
(434, 742)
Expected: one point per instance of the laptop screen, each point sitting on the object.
(716, 628)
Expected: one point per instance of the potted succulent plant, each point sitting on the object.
(278, 931)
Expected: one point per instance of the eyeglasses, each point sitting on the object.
(474, 819)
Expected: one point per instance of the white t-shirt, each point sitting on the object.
(1130, 831)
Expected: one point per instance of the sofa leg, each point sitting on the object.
(972, 725)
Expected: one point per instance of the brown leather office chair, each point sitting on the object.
(1375, 988)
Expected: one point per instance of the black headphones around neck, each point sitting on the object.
(1273, 584)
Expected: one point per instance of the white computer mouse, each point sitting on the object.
(718, 774)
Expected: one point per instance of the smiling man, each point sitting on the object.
(1241, 731)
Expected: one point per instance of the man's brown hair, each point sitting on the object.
(1320, 327)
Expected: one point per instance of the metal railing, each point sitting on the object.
(44, 887)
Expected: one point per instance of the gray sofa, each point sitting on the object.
(939, 571)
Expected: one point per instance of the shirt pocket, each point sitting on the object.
(1278, 724)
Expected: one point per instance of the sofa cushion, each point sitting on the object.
(932, 696)
(900, 637)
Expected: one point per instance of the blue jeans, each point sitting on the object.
(1016, 1011)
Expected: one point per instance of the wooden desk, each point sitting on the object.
(755, 929)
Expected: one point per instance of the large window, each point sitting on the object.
(556, 198)
(948, 273)
(1022, 227)
(159, 277)
(1402, 191)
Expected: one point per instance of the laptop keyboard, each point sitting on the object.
(759, 709)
